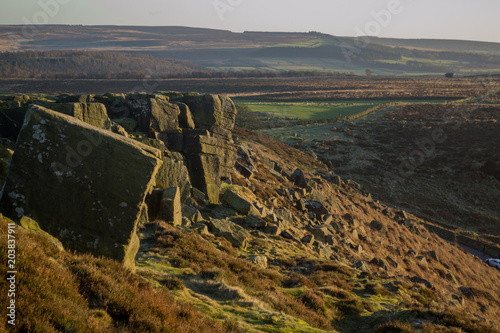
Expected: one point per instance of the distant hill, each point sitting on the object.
(223, 50)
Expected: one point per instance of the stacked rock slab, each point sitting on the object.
(84, 185)
(209, 149)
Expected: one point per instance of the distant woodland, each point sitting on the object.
(69, 64)
(90, 65)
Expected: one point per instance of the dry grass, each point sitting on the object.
(189, 250)
(66, 292)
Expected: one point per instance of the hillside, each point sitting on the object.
(238, 232)
(266, 51)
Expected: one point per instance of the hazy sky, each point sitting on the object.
(454, 19)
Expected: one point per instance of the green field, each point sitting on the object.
(317, 110)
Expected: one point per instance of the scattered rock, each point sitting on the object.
(298, 178)
(234, 233)
(451, 277)
(237, 201)
(419, 280)
(252, 221)
(308, 240)
(392, 262)
(243, 170)
(321, 233)
(192, 214)
(317, 207)
(379, 226)
(362, 266)
(260, 261)
(467, 292)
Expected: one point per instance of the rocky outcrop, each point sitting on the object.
(190, 148)
(196, 126)
(84, 185)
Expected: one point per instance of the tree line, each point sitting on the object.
(70, 64)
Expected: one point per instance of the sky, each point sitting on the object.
(441, 19)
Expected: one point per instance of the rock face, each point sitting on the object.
(211, 111)
(90, 113)
(154, 114)
(83, 185)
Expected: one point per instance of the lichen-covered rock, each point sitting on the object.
(222, 148)
(5, 159)
(83, 185)
(154, 114)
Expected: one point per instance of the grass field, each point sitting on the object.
(316, 110)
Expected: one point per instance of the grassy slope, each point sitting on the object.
(61, 291)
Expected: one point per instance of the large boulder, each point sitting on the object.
(83, 185)
(154, 114)
(211, 111)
